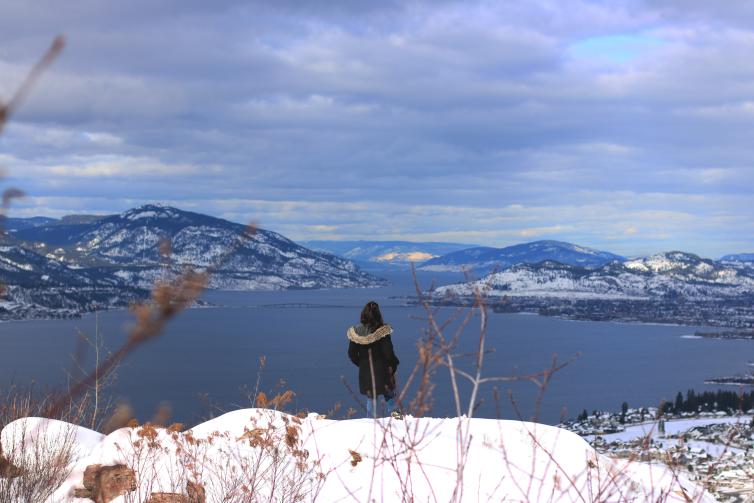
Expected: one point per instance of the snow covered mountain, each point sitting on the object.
(14, 224)
(36, 286)
(671, 275)
(129, 245)
(61, 268)
(739, 260)
(484, 259)
(378, 254)
(738, 257)
(23, 267)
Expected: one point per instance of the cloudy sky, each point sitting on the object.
(624, 125)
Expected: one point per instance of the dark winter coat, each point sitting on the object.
(363, 344)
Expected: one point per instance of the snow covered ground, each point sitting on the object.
(675, 427)
(672, 427)
(279, 457)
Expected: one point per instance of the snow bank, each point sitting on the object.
(26, 438)
(271, 453)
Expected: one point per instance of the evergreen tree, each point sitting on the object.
(691, 401)
(678, 406)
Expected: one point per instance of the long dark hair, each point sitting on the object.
(371, 317)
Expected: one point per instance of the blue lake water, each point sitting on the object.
(207, 356)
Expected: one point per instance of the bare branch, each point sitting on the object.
(7, 110)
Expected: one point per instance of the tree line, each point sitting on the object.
(710, 401)
(707, 401)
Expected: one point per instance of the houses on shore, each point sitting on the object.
(715, 449)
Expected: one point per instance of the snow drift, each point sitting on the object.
(264, 455)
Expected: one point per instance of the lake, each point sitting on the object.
(206, 357)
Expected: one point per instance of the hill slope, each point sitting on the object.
(129, 244)
(486, 259)
(679, 275)
(377, 254)
(62, 268)
(36, 286)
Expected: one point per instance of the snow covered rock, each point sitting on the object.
(106, 483)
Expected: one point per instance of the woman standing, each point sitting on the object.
(371, 349)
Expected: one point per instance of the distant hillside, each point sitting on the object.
(75, 263)
(482, 260)
(739, 257)
(38, 286)
(673, 287)
(376, 254)
(129, 245)
(678, 275)
(14, 224)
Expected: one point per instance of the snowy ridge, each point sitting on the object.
(129, 245)
(38, 286)
(666, 275)
(338, 460)
(738, 257)
(486, 259)
(262, 261)
(400, 254)
(64, 269)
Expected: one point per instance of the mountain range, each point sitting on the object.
(739, 257)
(81, 261)
(481, 260)
(664, 275)
(386, 254)
(126, 253)
(672, 287)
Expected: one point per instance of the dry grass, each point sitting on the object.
(265, 462)
(40, 459)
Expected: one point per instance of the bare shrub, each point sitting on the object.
(265, 461)
(41, 455)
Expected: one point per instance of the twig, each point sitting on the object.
(7, 110)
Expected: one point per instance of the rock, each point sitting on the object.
(105, 483)
(90, 474)
(82, 493)
(8, 470)
(195, 492)
(168, 498)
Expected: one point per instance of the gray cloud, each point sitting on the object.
(625, 126)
